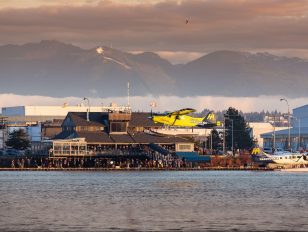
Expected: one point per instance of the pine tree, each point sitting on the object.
(216, 140)
(18, 139)
(241, 131)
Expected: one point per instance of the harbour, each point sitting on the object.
(153, 201)
(153, 115)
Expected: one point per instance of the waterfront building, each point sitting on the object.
(43, 122)
(118, 133)
(298, 132)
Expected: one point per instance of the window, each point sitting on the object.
(118, 126)
(184, 147)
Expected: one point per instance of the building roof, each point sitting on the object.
(144, 138)
(122, 138)
(101, 118)
(96, 118)
(130, 138)
(65, 135)
(294, 132)
(142, 120)
(94, 136)
(301, 107)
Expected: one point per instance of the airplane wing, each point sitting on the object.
(182, 112)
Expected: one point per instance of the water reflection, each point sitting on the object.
(149, 201)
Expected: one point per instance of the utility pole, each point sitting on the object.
(88, 110)
(299, 132)
(128, 100)
(232, 138)
(224, 137)
(289, 139)
(274, 137)
(212, 142)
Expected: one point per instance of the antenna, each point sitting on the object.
(128, 103)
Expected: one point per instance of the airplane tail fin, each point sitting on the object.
(210, 118)
(259, 152)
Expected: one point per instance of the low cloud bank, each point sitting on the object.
(164, 103)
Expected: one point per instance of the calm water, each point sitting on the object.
(150, 201)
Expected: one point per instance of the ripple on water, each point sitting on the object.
(149, 201)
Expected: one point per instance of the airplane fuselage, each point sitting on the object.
(178, 120)
(284, 159)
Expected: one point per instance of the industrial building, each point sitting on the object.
(259, 128)
(298, 132)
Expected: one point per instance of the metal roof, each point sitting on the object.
(294, 131)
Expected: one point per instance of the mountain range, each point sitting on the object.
(56, 69)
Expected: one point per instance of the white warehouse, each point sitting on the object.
(28, 114)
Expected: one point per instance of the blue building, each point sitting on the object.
(298, 132)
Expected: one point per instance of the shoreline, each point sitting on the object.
(138, 169)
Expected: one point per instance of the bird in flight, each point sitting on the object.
(186, 21)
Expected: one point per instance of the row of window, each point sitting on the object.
(114, 127)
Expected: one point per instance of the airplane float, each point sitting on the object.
(180, 118)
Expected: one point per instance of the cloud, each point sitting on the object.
(164, 103)
(180, 57)
(160, 25)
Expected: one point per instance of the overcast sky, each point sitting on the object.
(276, 26)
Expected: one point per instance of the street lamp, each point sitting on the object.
(224, 138)
(232, 137)
(88, 110)
(299, 130)
(289, 140)
(212, 142)
(274, 135)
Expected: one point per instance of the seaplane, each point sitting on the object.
(180, 118)
(280, 158)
